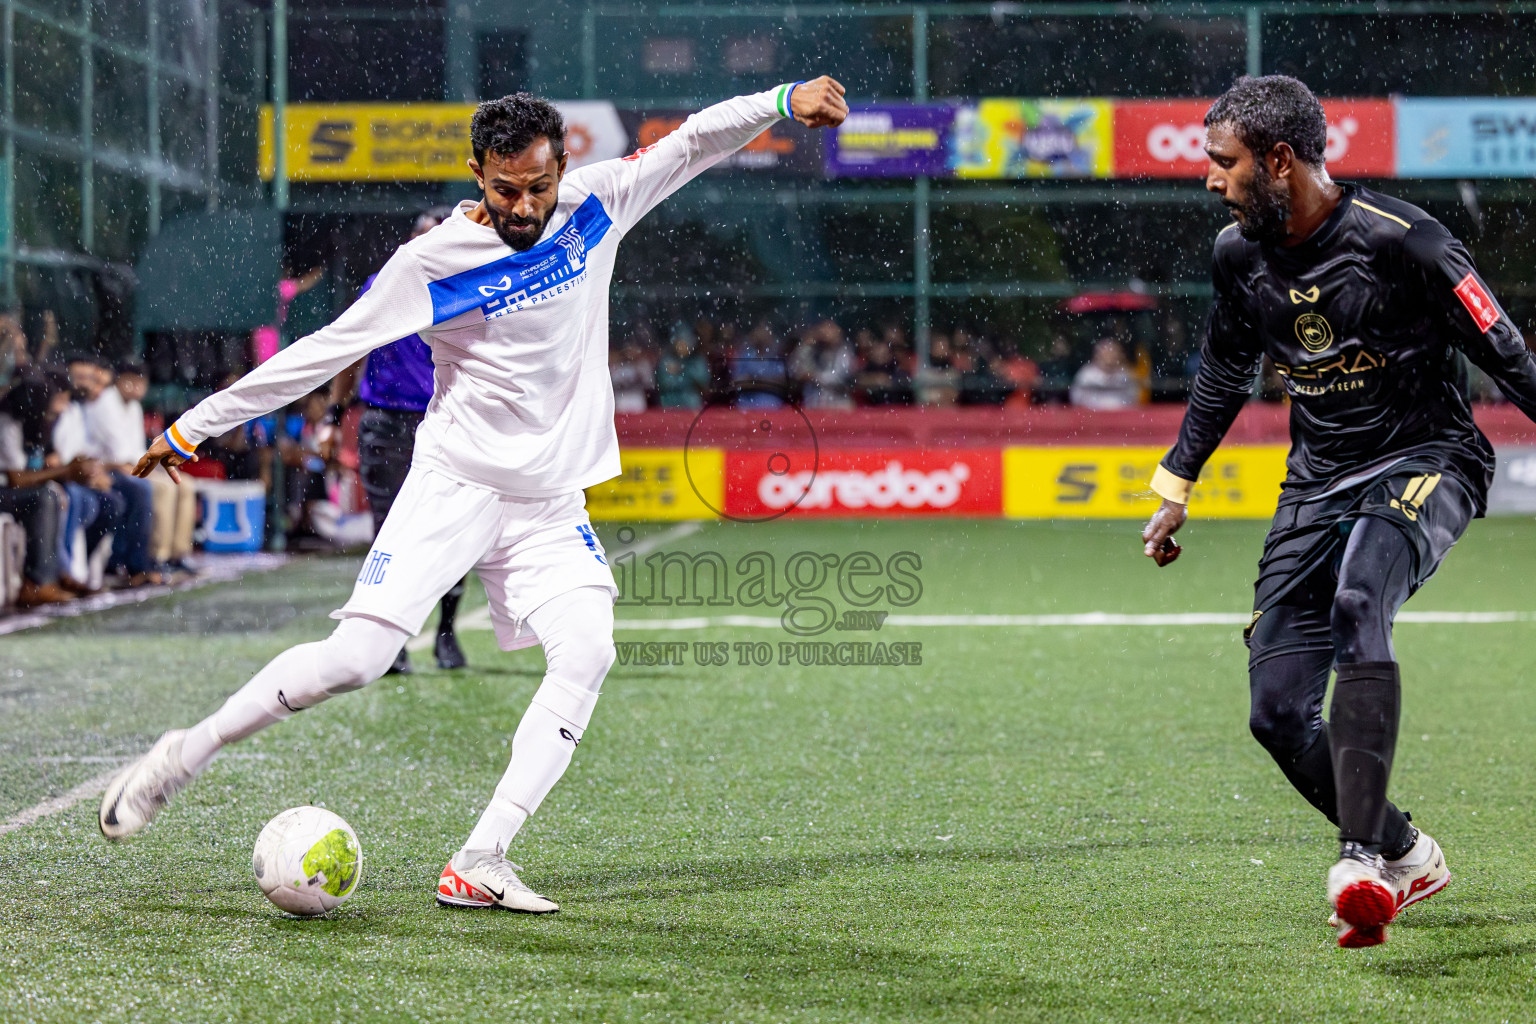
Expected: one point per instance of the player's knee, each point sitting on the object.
(1279, 723)
(585, 662)
(358, 652)
(1356, 619)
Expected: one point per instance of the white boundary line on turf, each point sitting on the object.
(37, 812)
(480, 618)
(1042, 621)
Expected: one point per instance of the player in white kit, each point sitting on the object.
(511, 293)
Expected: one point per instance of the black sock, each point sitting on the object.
(448, 608)
(1363, 726)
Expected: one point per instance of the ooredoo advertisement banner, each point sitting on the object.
(1466, 138)
(1166, 138)
(860, 483)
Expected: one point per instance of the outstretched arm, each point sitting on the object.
(398, 304)
(1469, 314)
(1229, 360)
(632, 186)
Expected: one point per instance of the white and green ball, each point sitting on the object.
(307, 860)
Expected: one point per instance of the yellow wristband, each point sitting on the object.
(1169, 487)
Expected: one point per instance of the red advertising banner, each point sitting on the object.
(865, 482)
(1166, 138)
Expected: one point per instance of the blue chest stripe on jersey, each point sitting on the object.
(514, 281)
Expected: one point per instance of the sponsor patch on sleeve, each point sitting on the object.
(1478, 302)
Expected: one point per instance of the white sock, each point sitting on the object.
(576, 630)
(356, 654)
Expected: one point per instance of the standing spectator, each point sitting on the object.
(13, 349)
(35, 495)
(633, 376)
(682, 375)
(71, 439)
(1106, 382)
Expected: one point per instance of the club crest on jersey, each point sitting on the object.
(1478, 302)
(1314, 332)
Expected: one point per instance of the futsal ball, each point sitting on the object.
(307, 860)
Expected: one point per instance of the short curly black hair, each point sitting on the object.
(1264, 112)
(511, 124)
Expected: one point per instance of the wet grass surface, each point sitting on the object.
(1052, 824)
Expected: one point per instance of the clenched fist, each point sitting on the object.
(819, 103)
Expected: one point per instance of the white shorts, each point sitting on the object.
(525, 551)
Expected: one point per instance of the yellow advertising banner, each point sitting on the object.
(371, 141)
(1111, 483)
(412, 141)
(655, 484)
(1016, 138)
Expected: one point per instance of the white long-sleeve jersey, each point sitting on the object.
(523, 403)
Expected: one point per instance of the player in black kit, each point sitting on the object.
(1365, 305)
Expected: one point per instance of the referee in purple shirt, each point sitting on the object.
(395, 383)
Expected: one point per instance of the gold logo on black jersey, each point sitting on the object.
(1314, 332)
(1310, 295)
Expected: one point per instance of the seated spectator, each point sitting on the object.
(299, 446)
(757, 370)
(114, 424)
(243, 453)
(130, 558)
(939, 381)
(822, 366)
(979, 384)
(1022, 377)
(1057, 369)
(34, 494)
(1106, 381)
(632, 374)
(682, 375)
(882, 380)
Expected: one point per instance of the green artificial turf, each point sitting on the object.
(1063, 823)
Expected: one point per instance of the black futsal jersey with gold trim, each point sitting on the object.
(1363, 321)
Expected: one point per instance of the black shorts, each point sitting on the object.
(1302, 553)
(386, 440)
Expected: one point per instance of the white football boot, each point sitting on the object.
(484, 878)
(1417, 875)
(139, 791)
(1363, 900)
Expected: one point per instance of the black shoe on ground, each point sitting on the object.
(448, 653)
(402, 665)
